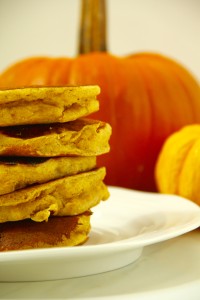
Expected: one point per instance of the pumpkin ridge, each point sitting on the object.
(60, 72)
(174, 67)
(174, 89)
(189, 177)
(177, 191)
(149, 141)
(182, 75)
(171, 157)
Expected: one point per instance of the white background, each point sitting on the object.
(51, 27)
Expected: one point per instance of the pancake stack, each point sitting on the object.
(49, 180)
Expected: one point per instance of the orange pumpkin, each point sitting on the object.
(145, 97)
(177, 169)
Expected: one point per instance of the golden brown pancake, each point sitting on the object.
(82, 137)
(20, 172)
(48, 176)
(58, 231)
(71, 195)
(40, 105)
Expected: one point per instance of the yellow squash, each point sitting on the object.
(177, 169)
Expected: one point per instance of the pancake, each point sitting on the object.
(71, 195)
(49, 181)
(58, 231)
(20, 172)
(40, 105)
(42, 209)
(82, 137)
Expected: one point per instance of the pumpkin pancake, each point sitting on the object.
(19, 172)
(71, 195)
(40, 105)
(58, 231)
(82, 137)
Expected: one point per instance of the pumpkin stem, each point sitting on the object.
(92, 35)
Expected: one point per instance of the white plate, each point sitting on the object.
(121, 227)
(166, 270)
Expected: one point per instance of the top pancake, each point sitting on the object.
(39, 105)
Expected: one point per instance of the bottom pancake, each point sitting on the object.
(57, 232)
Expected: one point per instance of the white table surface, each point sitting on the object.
(167, 270)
